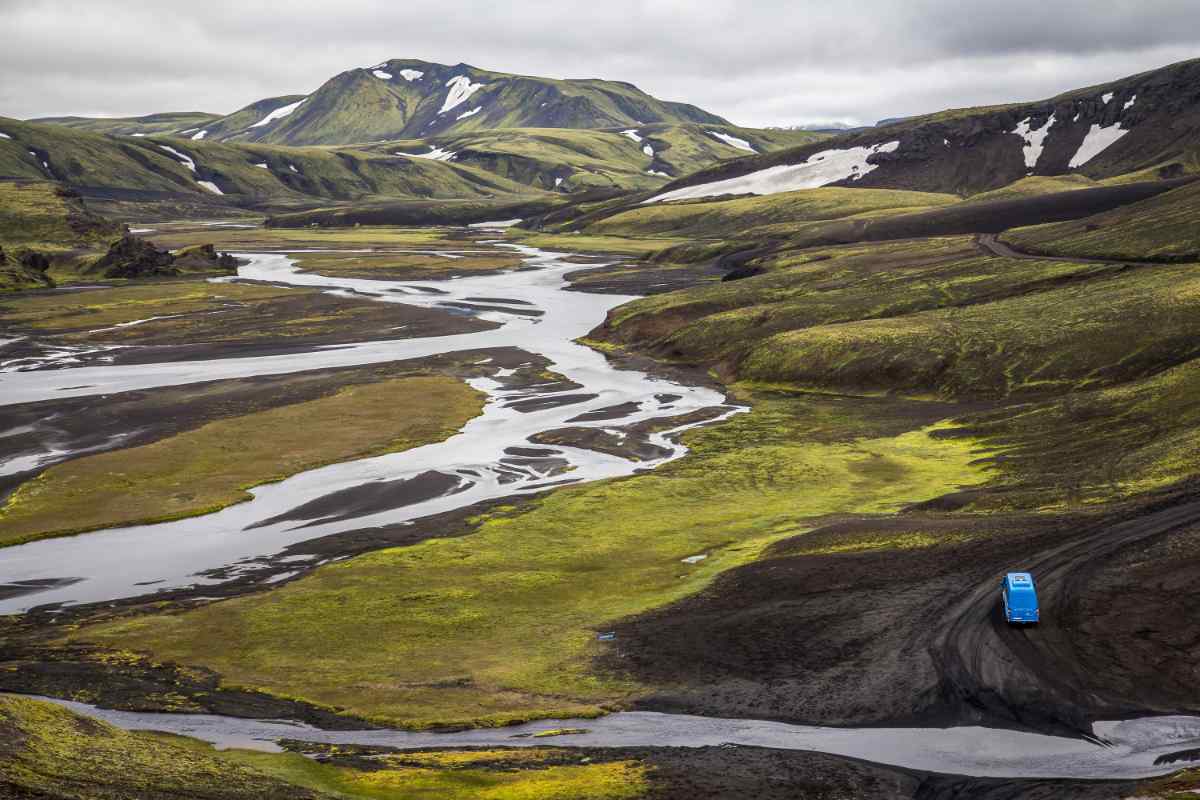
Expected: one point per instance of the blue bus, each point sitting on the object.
(1020, 598)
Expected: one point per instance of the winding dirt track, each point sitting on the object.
(1034, 674)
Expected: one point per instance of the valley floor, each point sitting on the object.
(898, 427)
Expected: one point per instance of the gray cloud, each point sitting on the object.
(765, 62)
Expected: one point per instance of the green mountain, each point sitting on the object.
(409, 99)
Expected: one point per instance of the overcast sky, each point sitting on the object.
(756, 62)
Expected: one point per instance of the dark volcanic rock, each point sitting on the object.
(134, 257)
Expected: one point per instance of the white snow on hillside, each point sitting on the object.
(383, 76)
(496, 224)
(138, 135)
(411, 75)
(187, 162)
(199, 136)
(1097, 141)
(278, 113)
(435, 154)
(263, 165)
(632, 134)
(4, 136)
(820, 169)
(189, 130)
(292, 167)
(1034, 140)
(1106, 97)
(212, 187)
(461, 88)
(648, 150)
(1129, 103)
(656, 172)
(470, 113)
(732, 141)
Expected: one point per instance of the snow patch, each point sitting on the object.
(199, 136)
(278, 113)
(435, 154)
(212, 187)
(656, 172)
(694, 559)
(1098, 140)
(189, 130)
(138, 135)
(1129, 103)
(4, 136)
(632, 134)
(558, 182)
(461, 88)
(500, 223)
(292, 167)
(383, 76)
(187, 162)
(1034, 140)
(732, 141)
(263, 165)
(1106, 97)
(411, 75)
(819, 169)
(470, 113)
(648, 150)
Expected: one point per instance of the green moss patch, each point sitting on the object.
(501, 625)
(205, 469)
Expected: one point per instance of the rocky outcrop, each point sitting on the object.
(134, 257)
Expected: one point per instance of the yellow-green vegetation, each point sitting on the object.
(1080, 335)
(176, 235)
(583, 243)
(501, 625)
(83, 158)
(47, 751)
(858, 542)
(1183, 785)
(1035, 185)
(205, 469)
(532, 774)
(101, 308)
(1162, 228)
(42, 216)
(383, 265)
(763, 216)
(806, 288)
(1095, 446)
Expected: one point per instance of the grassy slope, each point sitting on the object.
(771, 215)
(1161, 228)
(194, 472)
(500, 625)
(47, 751)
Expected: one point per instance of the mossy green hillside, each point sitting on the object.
(501, 625)
(169, 122)
(1162, 228)
(718, 323)
(1080, 335)
(770, 215)
(205, 469)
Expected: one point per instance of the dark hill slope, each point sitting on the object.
(410, 99)
(1149, 121)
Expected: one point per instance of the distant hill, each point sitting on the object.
(1147, 123)
(169, 122)
(410, 99)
